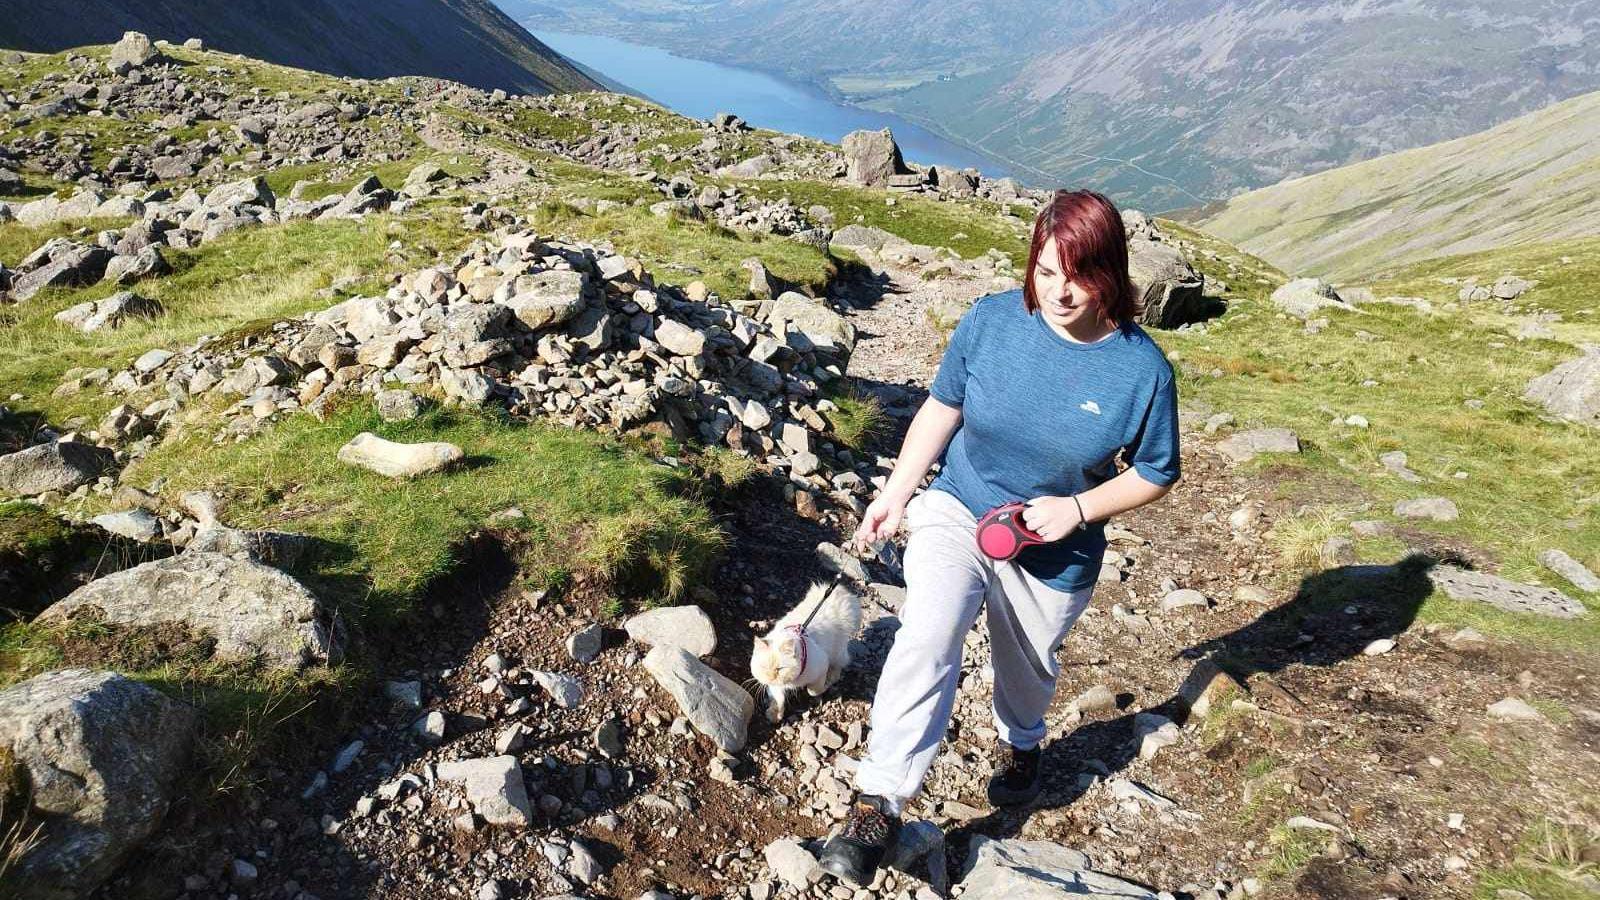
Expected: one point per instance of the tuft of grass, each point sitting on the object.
(732, 470)
(1289, 849)
(858, 418)
(1261, 765)
(1298, 540)
(1553, 855)
(20, 832)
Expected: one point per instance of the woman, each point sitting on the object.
(1039, 390)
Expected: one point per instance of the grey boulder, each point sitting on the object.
(134, 50)
(1572, 389)
(826, 329)
(1170, 292)
(251, 610)
(686, 627)
(1037, 870)
(871, 157)
(103, 754)
(546, 298)
(1304, 296)
(715, 706)
(94, 315)
(56, 466)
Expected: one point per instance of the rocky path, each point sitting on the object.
(1348, 753)
(898, 314)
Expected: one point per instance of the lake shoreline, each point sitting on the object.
(765, 98)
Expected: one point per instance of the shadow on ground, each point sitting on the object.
(1332, 617)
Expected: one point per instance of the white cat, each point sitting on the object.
(790, 657)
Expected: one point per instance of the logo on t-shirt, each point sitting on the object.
(1090, 406)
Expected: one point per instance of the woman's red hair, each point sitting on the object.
(1091, 248)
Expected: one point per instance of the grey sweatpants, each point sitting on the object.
(947, 581)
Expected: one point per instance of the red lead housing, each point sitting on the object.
(1001, 534)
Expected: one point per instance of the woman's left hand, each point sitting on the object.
(1051, 518)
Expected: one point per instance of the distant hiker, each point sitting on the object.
(1039, 391)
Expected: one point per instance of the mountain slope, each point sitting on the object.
(840, 45)
(470, 41)
(1164, 105)
(1195, 100)
(1534, 178)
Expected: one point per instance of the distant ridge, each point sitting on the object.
(470, 41)
(1534, 178)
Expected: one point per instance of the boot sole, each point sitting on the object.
(838, 869)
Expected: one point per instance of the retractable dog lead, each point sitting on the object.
(1001, 535)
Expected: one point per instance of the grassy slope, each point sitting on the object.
(1531, 179)
(1530, 484)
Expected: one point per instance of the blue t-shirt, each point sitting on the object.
(1045, 416)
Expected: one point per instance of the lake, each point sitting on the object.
(702, 89)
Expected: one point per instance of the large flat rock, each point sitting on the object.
(715, 706)
(253, 611)
(674, 626)
(1038, 870)
(56, 466)
(1503, 593)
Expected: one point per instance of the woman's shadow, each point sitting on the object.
(1334, 615)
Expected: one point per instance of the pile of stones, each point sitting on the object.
(561, 330)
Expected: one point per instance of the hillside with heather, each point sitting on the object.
(470, 41)
(395, 476)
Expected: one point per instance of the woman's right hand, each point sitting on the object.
(880, 521)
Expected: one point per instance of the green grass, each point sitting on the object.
(1551, 856)
(857, 420)
(969, 227)
(715, 253)
(1261, 765)
(249, 276)
(1531, 484)
(18, 240)
(593, 506)
(392, 174)
(35, 546)
(1290, 849)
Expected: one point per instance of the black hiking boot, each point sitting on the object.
(854, 854)
(1018, 778)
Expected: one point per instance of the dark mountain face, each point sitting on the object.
(470, 41)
